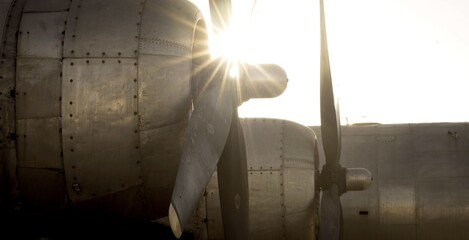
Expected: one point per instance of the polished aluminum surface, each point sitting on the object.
(100, 127)
(41, 35)
(282, 201)
(38, 83)
(97, 28)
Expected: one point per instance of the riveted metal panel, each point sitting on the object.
(103, 28)
(39, 143)
(164, 90)
(300, 225)
(7, 107)
(214, 218)
(160, 152)
(397, 201)
(299, 189)
(264, 143)
(4, 8)
(266, 206)
(396, 157)
(38, 88)
(100, 126)
(41, 35)
(299, 146)
(163, 31)
(47, 5)
(42, 189)
(11, 29)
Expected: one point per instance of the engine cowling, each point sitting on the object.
(282, 169)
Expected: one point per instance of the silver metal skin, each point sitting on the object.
(282, 170)
(419, 190)
(262, 80)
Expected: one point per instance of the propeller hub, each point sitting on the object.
(333, 176)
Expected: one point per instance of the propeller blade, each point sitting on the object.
(330, 120)
(331, 215)
(205, 139)
(220, 12)
(233, 184)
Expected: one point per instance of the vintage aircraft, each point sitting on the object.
(115, 107)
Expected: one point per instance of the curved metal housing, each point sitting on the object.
(282, 171)
(102, 101)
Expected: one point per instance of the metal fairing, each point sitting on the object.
(164, 94)
(41, 35)
(282, 201)
(11, 29)
(38, 109)
(100, 126)
(98, 28)
(38, 88)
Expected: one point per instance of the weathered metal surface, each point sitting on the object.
(266, 218)
(397, 201)
(41, 35)
(100, 126)
(164, 90)
(160, 151)
(395, 157)
(39, 143)
(299, 146)
(98, 28)
(443, 208)
(42, 189)
(265, 138)
(4, 9)
(38, 88)
(11, 29)
(163, 32)
(214, 218)
(47, 5)
(7, 101)
(298, 190)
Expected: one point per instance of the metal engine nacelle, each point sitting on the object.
(282, 170)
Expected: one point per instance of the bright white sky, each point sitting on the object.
(393, 61)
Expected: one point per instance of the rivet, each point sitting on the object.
(71, 115)
(122, 185)
(71, 102)
(135, 96)
(136, 147)
(138, 162)
(87, 61)
(71, 137)
(73, 166)
(135, 113)
(139, 177)
(118, 61)
(138, 24)
(71, 80)
(135, 80)
(73, 35)
(21, 32)
(103, 61)
(63, 32)
(119, 53)
(136, 131)
(76, 18)
(72, 52)
(71, 64)
(87, 54)
(104, 53)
